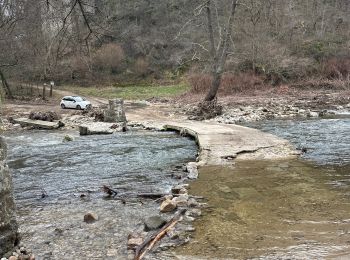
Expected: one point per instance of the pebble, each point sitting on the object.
(90, 218)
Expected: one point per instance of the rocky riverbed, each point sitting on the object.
(64, 214)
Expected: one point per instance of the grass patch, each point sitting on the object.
(131, 92)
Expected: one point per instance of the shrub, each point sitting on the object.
(109, 57)
(336, 68)
(199, 82)
(231, 83)
(141, 67)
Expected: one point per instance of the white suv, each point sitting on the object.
(75, 102)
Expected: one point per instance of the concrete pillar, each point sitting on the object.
(115, 112)
(8, 224)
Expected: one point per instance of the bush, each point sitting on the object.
(199, 82)
(109, 57)
(336, 68)
(231, 83)
(141, 67)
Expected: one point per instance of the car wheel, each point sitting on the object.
(78, 107)
(63, 106)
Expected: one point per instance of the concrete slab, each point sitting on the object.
(37, 123)
(221, 144)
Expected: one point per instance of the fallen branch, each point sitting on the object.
(149, 243)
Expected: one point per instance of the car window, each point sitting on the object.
(78, 99)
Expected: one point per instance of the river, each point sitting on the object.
(296, 209)
(56, 183)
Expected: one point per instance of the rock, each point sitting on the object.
(134, 241)
(168, 197)
(32, 257)
(90, 218)
(312, 114)
(8, 224)
(167, 206)
(67, 138)
(192, 203)
(97, 128)
(154, 222)
(181, 200)
(194, 213)
(179, 189)
(192, 170)
(13, 257)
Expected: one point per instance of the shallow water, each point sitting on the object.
(279, 210)
(52, 225)
(327, 141)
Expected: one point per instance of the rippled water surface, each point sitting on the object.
(50, 175)
(327, 141)
(296, 209)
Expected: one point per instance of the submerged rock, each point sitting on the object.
(90, 218)
(154, 222)
(67, 138)
(134, 241)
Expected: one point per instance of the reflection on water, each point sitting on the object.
(129, 162)
(288, 210)
(279, 210)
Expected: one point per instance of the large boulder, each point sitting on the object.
(8, 224)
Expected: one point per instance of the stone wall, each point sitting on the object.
(8, 224)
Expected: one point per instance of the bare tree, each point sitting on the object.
(218, 51)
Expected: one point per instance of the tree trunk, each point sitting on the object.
(6, 85)
(44, 91)
(214, 86)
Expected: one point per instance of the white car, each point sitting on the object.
(75, 102)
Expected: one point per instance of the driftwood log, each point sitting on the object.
(149, 243)
(111, 192)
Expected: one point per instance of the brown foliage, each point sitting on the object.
(336, 68)
(141, 66)
(109, 57)
(231, 83)
(200, 83)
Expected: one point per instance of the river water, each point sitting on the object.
(51, 175)
(296, 209)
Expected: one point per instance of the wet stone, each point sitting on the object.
(134, 241)
(192, 170)
(181, 200)
(90, 218)
(168, 206)
(194, 213)
(154, 222)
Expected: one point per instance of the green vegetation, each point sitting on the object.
(131, 92)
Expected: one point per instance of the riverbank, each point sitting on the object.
(150, 115)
